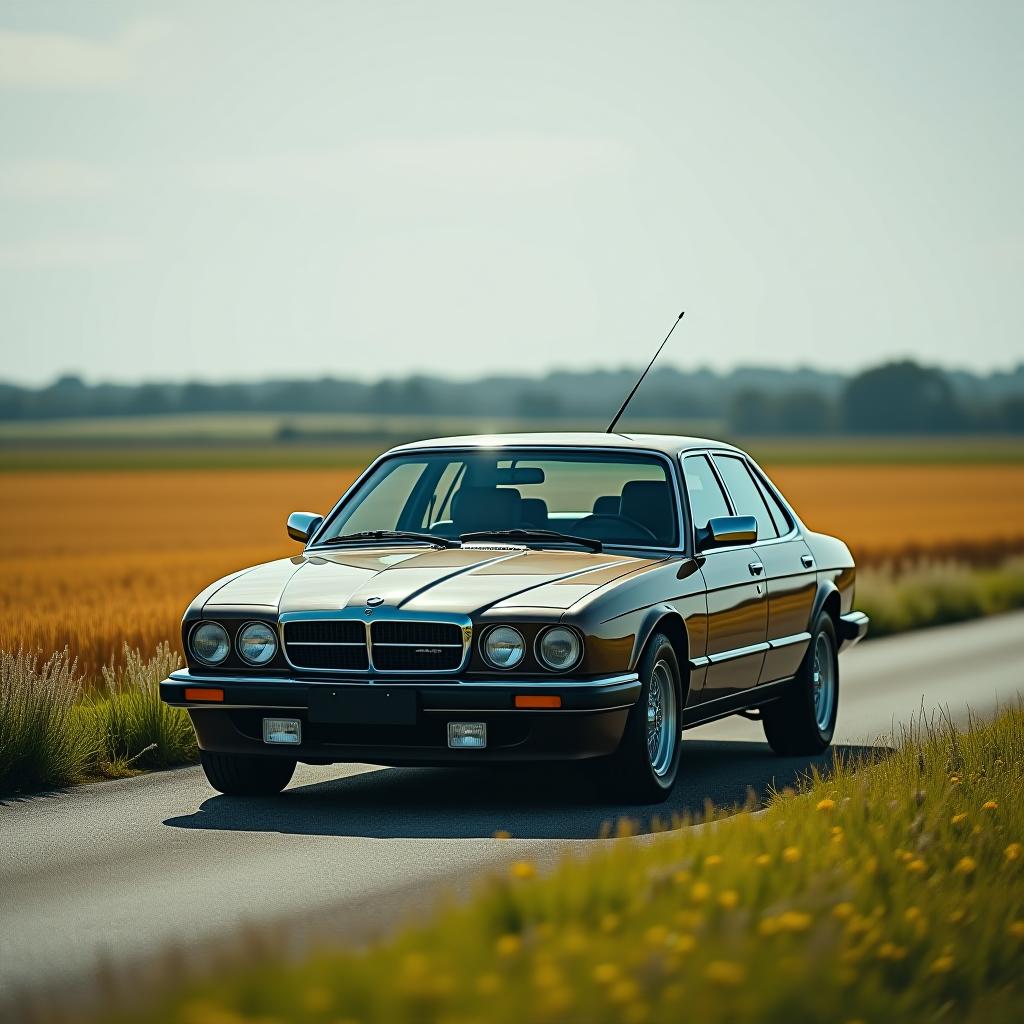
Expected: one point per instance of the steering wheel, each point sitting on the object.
(616, 525)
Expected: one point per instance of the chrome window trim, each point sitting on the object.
(379, 614)
(760, 477)
(671, 469)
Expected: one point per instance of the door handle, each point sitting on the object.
(756, 568)
(807, 560)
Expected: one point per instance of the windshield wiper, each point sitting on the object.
(528, 535)
(365, 535)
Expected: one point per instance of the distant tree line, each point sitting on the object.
(898, 397)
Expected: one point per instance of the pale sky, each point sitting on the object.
(233, 190)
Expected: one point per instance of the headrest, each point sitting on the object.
(649, 503)
(607, 505)
(535, 511)
(487, 508)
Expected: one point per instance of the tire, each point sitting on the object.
(640, 771)
(801, 722)
(247, 774)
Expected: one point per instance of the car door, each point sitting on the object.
(787, 565)
(737, 605)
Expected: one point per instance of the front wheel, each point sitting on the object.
(804, 721)
(247, 774)
(644, 768)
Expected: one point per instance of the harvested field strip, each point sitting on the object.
(90, 560)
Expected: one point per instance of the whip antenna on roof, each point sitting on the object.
(629, 397)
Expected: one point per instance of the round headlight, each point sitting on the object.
(560, 648)
(504, 647)
(210, 643)
(257, 643)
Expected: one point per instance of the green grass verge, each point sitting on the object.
(898, 600)
(884, 891)
(52, 734)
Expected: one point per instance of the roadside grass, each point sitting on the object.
(882, 891)
(53, 733)
(902, 598)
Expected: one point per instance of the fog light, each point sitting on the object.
(462, 735)
(282, 730)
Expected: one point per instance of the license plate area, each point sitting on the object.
(362, 705)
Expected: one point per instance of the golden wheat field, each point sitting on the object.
(92, 559)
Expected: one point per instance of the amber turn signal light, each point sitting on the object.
(533, 700)
(203, 693)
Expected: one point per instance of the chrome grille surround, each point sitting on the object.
(366, 619)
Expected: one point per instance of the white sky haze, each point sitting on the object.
(237, 190)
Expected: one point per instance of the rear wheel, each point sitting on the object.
(247, 774)
(805, 719)
(644, 768)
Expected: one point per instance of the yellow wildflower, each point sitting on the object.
(762, 860)
(609, 922)
(890, 951)
(843, 910)
(728, 899)
(826, 805)
(656, 935)
(954, 780)
(768, 927)
(725, 972)
(685, 944)
(1013, 852)
(941, 965)
(791, 854)
(1016, 929)
(508, 945)
(958, 819)
(700, 892)
(681, 877)
(794, 921)
(966, 866)
(488, 984)
(624, 991)
(713, 860)
(990, 805)
(917, 866)
(523, 869)
(956, 916)
(605, 974)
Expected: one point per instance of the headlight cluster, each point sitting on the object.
(256, 643)
(557, 648)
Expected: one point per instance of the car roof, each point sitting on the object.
(670, 444)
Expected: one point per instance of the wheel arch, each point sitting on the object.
(665, 619)
(827, 600)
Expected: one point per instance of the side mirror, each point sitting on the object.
(724, 530)
(302, 525)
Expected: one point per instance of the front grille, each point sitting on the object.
(327, 643)
(416, 646)
(398, 646)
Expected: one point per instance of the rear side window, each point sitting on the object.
(704, 491)
(745, 494)
(783, 520)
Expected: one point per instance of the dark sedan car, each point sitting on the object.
(524, 598)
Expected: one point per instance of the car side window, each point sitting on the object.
(783, 520)
(745, 494)
(704, 491)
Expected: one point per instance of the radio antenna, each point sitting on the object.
(629, 397)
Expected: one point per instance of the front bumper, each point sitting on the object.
(589, 722)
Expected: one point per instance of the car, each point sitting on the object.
(556, 597)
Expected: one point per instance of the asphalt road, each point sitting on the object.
(118, 871)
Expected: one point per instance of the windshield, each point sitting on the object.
(613, 497)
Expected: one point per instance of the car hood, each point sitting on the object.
(465, 580)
